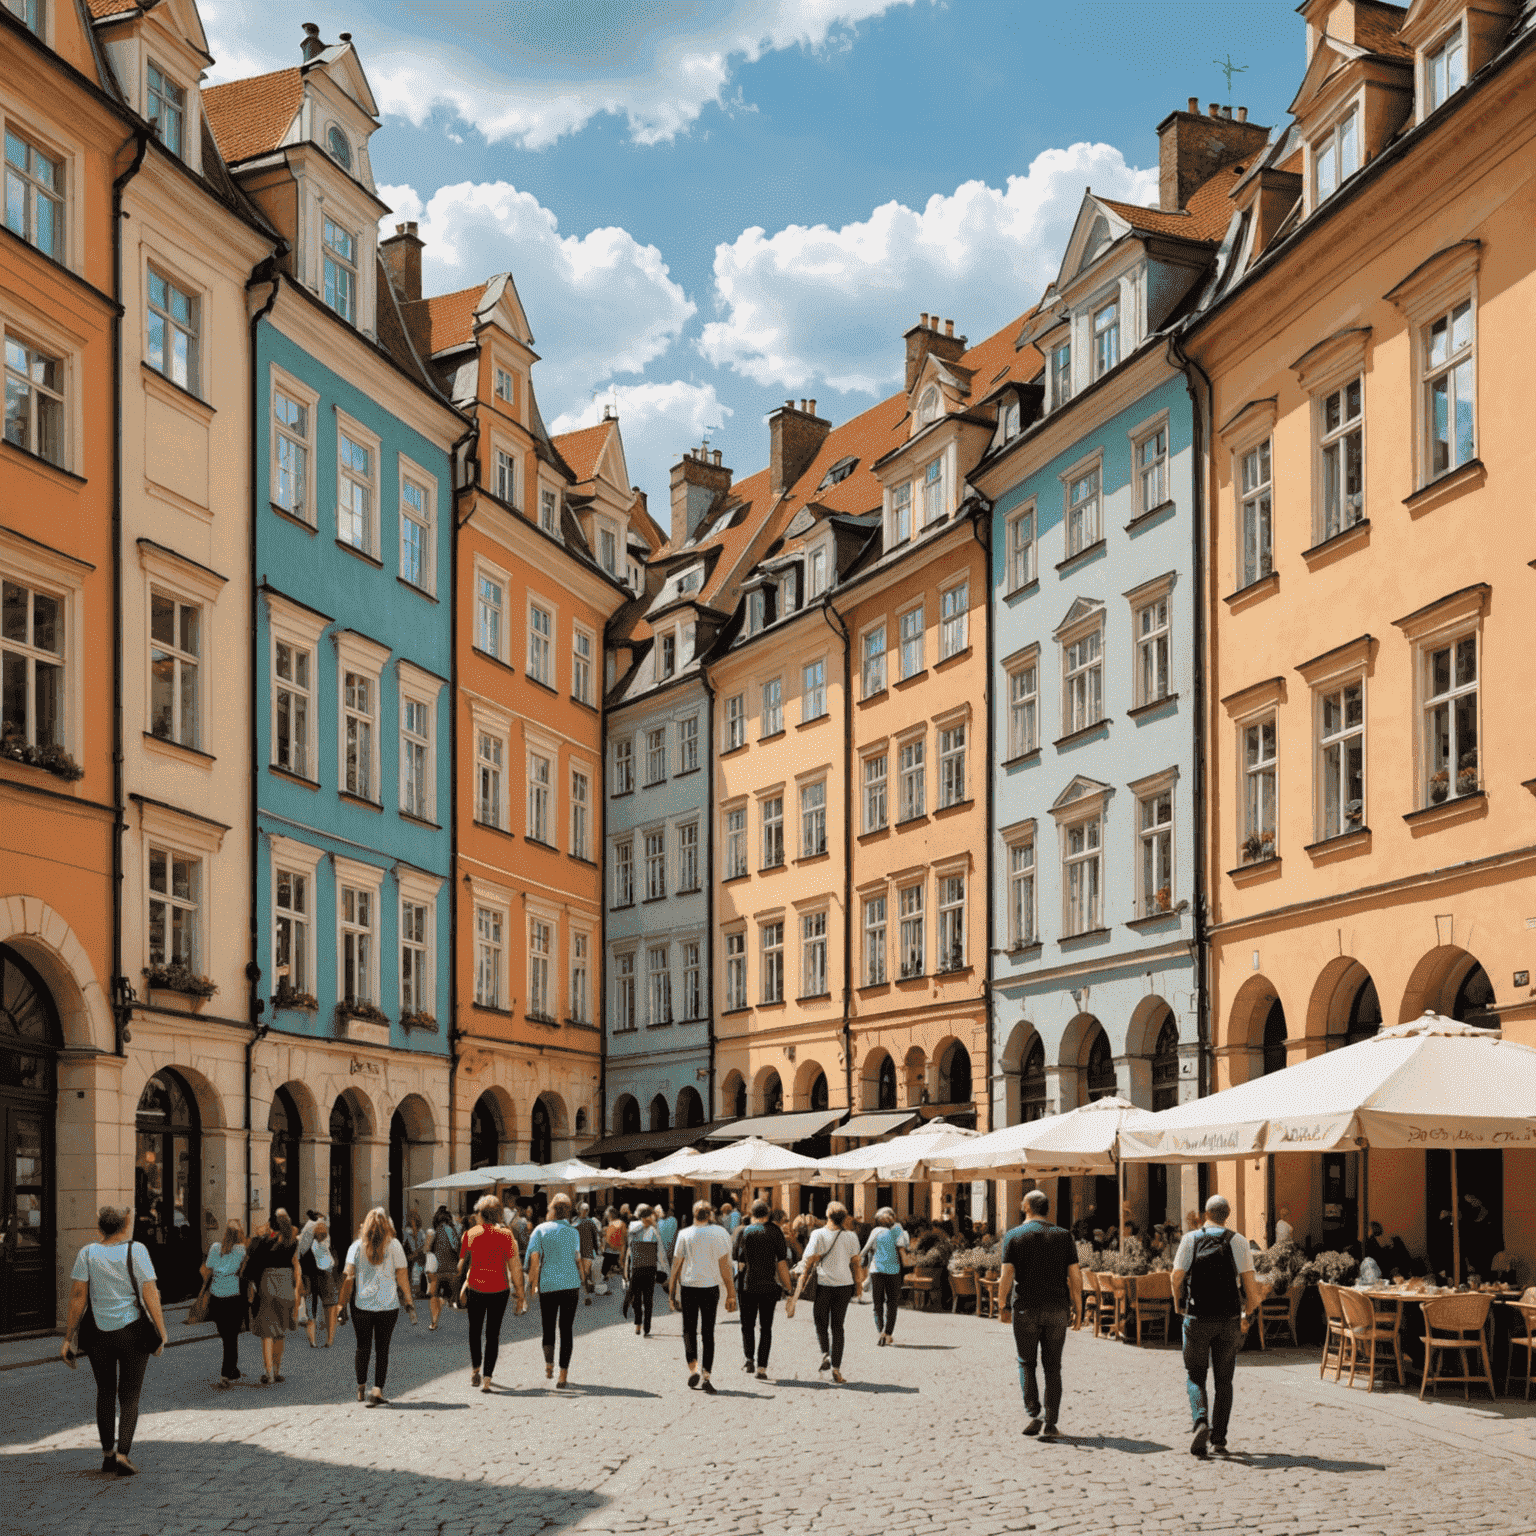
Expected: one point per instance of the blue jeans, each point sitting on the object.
(1041, 1331)
(1211, 1343)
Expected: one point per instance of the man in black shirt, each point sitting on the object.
(763, 1258)
(1040, 1272)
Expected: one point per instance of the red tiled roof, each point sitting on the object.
(582, 449)
(1377, 27)
(1205, 217)
(102, 9)
(251, 117)
(450, 317)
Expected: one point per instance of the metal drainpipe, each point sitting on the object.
(841, 628)
(709, 884)
(601, 850)
(122, 992)
(981, 526)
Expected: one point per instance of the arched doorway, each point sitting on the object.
(1102, 1082)
(1032, 1084)
(30, 1037)
(167, 1183)
(1473, 1003)
(885, 1087)
(773, 1095)
(819, 1091)
(343, 1130)
(1364, 1017)
(541, 1140)
(399, 1138)
(629, 1117)
(690, 1109)
(286, 1126)
(739, 1099)
(955, 1075)
(1274, 1039)
(484, 1133)
(1165, 1094)
(661, 1114)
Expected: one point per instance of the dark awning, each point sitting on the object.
(781, 1129)
(646, 1146)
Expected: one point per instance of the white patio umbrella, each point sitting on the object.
(574, 1174)
(663, 1168)
(901, 1160)
(486, 1178)
(1083, 1140)
(1429, 1083)
(738, 1162)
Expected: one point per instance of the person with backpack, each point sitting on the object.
(1213, 1280)
(1042, 1284)
(762, 1257)
(615, 1235)
(590, 1235)
(645, 1257)
(442, 1262)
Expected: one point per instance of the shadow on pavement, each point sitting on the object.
(1115, 1443)
(849, 1386)
(1274, 1461)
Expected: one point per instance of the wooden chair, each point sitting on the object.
(1525, 1313)
(988, 1303)
(1107, 1321)
(920, 1285)
(1090, 1315)
(1120, 1300)
(962, 1282)
(1275, 1313)
(1447, 1322)
(1154, 1305)
(1335, 1345)
(1365, 1329)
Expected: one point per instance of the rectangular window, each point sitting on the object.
(290, 454)
(1260, 787)
(874, 941)
(1341, 447)
(693, 981)
(933, 492)
(608, 548)
(415, 535)
(540, 779)
(773, 832)
(623, 767)
(1106, 339)
(773, 962)
(874, 662)
(735, 843)
(813, 696)
(290, 931)
(911, 766)
(1449, 390)
(901, 513)
(166, 109)
(354, 494)
(581, 666)
(34, 195)
(1152, 470)
(1336, 156)
(549, 512)
(624, 872)
(581, 977)
(735, 721)
(951, 952)
(1084, 659)
(688, 744)
(503, 385)
(688, 856)
(1061, 375)
(1082, 855)
(666, 656)
(757, 610)
(1083, 524)
(914, 943)
(488, 606)
(415, 993)
(292, 701)
(954, 620)
(581, 829)
(625, 1018)
(488, 955)
(655, 866)
(816, 573)
(813, 954)
(416, 758)
(175, 898)
(34, 401)
(1445, 71)
(1257, 516)
(340, 270)
(355, 909)
(912, 628)
(735, 971)
(506, 478)
(1450, 719)
(1341, 751)
(1021, 550)
(658, 979)
(1152, 652)
(1023, 710)
(540, 947)
(951, 766)
(773, 707)
(1155, 873)
(813, 820)
(875, 808)
(358, 694)
(1021, 895)
(541, 631)
(489, 763)
(171, 345)
(175, 648)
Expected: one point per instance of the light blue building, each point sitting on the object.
(352, 667)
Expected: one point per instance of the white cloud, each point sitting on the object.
(821, 305)
(599, 305)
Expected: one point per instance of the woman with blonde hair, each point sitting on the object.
(492, 1271)
(323, 1280)
(275, 1285)
(221, 1274)
(376, 1271)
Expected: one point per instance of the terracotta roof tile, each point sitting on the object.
(102, 9)
(251, 117)
(1377, 27)
(450, 317)
(1204, 218)
(582, 448)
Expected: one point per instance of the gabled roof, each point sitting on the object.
(451, 318)
(582, 449)
(1378, 27)
(1204, 218)
(252, 117)
(101, 10)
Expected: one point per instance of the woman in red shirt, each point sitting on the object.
(490, 1256)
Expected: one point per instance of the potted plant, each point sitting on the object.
(420, 1019)
(301, 1002)
(1439, 786)
(357, 1008)
(1253, 848)
(1466, 772)
(1164, 899)
(51, 758)
(179, 977)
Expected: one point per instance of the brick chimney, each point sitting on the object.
(927, 336)
(795, 437)
(698, 479)
(402, 260)
(1193, 146)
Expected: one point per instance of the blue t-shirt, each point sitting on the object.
(667, 1226)
(105, 1265)
(225, 1269)
(731, 1220)
(886, 1243)
(558, 1245)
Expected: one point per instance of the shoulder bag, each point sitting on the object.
(86, 1331)
(142, 1331)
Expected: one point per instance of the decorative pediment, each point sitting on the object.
(345, 69)
(1082, 611)
(501, 305)
(1330, 56)
(1096, 229)
(1078, 793)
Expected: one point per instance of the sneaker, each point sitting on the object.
(693, 1379)
(1050, 1432)
(707, 1386)
(474, 1378)
(746, 1365)
(762, 1375)
(1034, 1426)
(1218, 1447)
(1197, 1446)
(826, 1363)
(485, 1386)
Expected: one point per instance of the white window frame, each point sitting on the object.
(580, 978)
(34, 341)
(421, 689)
(734, 972)
(491, 979)
(912, 941)
(626, 1013)
(771, 960)
(654, 846)
(362, 879)
(692, 967)
(771, 815)
(1106, 336)
(543, 803)
(1082, 676)
(420, 891)
(298, 861)
(299, 629)
(1437, 59)
(934, 482)
(1332, 456)
(340, 269)
(583, 657)
(734, 723)
(874, 790)
(1330, 153)
(1151, 464)
(873, 659)
(813, 690)
(817, 561)
(912, 640)
(813, 818)
(35, 189)
(624, 870)
(899, 515)
(950, 929)
(1156, 846)
(187, 585)
(815, 978)
(422, 520)
(1082, 900)
(507, 476)
(581, 811)
(348, 430)
(687, 743)
(1333, 817)
(172, 850)
(655, 755)
(495, 728)
(1019, 537)
(1022, 886)
(169, 98)
(541, 642)
(734, 841)
(953, 744)
(1460, 778)
(365, 659)
(1082, 489)
(623, 765)
(543, 940)
(503, 385)
(308, 402)
(912, 777)
(687, 857)
(1260, 786)
(487, 643)
(608, 546)
(184, 371)
(1023, 695)
(1152, 639)
(875, 925)
(771, 722)
(954, 618)
(1060, 362)
(549, 510)
(1447, 372)
(658, 984)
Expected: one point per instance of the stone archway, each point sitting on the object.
(690, 1109)
(626, 1115)
(914, 1077)
(767, 1092)
(877, 1080)
(1451, 981)
(811, 1088)
(661, 1113)
(733, 1096)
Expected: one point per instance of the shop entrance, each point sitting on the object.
(1480, 1194)
(343, 1137)
(283, 1167)
(167, 1183)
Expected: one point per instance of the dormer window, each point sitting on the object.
(340, 290)
(1061, 374)
(166, 109)
(816, 573)
(1336, 156)
(757, 611)
(933, 492)
(504, 385)
(838, 473)
(928, 406)
(1010, 420)
(1445, 70)
(608, 550)
(789, 590)
(339, 147)
(901, 513)
(666, 659)
(636, 578)
(688, 582)
(1106, 338)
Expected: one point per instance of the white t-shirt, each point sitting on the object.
(836, 1250)
(1284, 1232)
(699, 1251)
(373, 1285)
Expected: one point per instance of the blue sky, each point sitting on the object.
(712, 205)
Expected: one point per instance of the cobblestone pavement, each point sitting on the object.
(925, 1438)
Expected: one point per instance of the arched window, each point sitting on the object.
(581, 1122)
(690, 1109)
(1102, 1082)
(339, 147)
(484, 1133)
(1274, 1038)
(886, 1092)
(541, 1142)
(955, 1077)
(1474, 1000)
(661, 1114)
(167, 1183)
(819, 1091)
(1364, 1013)
(928, 406)
(1165, 1066)
(1032, 1085)
(773, 1095)
(629, 1118)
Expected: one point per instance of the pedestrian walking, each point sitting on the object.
(1041, 1275)
(589, 1236)
(522, 1230)
(442, 1263)
(832, 1257)
(882, 1259)
(726, 1217)
(702, 1265)
(376, 1282)
(557, 1270)
(321, 1271)
(114, 1319)
(273, 1286)
(226, 1307)
(763, 1256)
(615, 1235)
(1212, 1280)
(416, 1240)
(491, 1271)
(645, 1256)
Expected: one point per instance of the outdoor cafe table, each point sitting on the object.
(1396, 1299)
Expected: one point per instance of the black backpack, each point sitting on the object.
(1211, 1283)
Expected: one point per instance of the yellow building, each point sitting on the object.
(1370, 824)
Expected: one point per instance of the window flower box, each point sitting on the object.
(181, 979)
(1258, 846)
(296, 1002)
(1439, 786)
(364, 1012)
(51, 759)
(418, 1020)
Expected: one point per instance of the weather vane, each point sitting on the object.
(1228, 68)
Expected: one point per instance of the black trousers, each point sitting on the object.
(119, 1371)
(374, 1331)
(559, 1307)
(642, 1294)
(1040, 1331)
(757, 1309)
(887, 1289)
(699, 1305)
(228, 1313)
(831, 1308)
(486, 1309)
